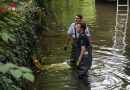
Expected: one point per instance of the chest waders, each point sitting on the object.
(85, 64)
(74, 55)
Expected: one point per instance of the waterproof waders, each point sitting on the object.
(74, 52)
(85, 64)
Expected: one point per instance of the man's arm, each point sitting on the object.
(67, 40)
(83, 50)
(68, 37)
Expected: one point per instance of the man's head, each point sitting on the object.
(81, 27)
(78, 18)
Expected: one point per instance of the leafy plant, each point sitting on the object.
(17, 72)
(18, 41)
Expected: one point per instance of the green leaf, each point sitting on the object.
(24, 69)
(3, 24)
(4, 36)
(16, 73)
(16, 88)
(4, 68)
(1, 2)
(28, 76)
(9, 81)
(13, 87)
(10, 88)
(11, 65)
(6, 80)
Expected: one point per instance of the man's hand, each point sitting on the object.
(65, 47)
(78, 62)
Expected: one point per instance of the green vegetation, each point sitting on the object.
(7, 82)
(18, 41)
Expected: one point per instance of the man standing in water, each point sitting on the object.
(74, 34)
(84, 54)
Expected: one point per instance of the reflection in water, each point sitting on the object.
(64, 12)
(121, 27)
(119, 40)
(120, 44)
(88, 11)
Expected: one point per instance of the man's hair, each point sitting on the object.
(80, 16)
(83, 26)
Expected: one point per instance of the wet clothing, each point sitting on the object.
(72, 31)
(86, 61)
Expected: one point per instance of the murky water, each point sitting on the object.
(111, 48)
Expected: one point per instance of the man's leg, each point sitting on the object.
(84, 66)
(73, 56)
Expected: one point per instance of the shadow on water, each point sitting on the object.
(110, 68)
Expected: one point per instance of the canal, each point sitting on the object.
(111, 60)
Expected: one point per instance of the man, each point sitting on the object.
(73, 33)
(84, 61)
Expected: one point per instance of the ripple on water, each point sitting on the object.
(107, 72)
(105, 82)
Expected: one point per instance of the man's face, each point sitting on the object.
(79, 28)
(77, 19)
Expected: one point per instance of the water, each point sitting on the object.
(111, 48)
